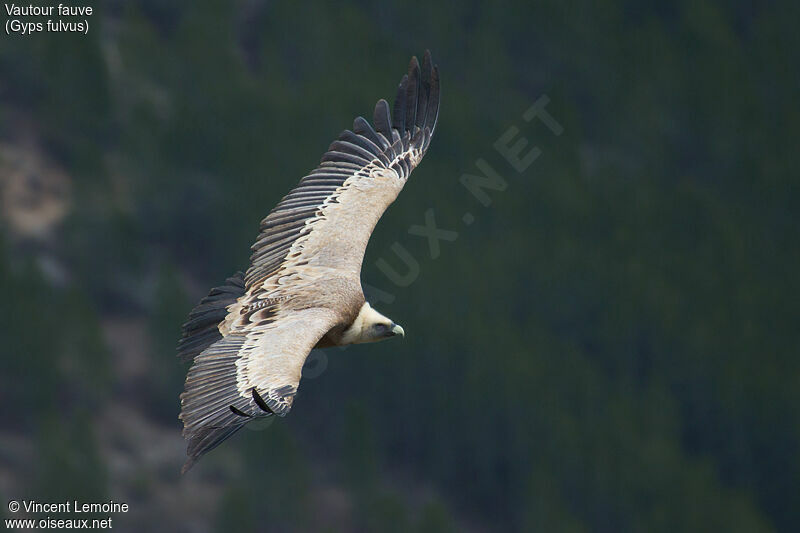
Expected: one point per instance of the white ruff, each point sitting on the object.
(367, 317)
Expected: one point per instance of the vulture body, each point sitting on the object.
(249, 338)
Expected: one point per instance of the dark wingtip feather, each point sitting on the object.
(382, 119)
(412, 94)
(417, 102)
(426, 65)
(432, 115)
(399, 111)
(362, 127)
(424, 92)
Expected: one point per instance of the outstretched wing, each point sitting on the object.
(304, 277)
(247, 375)
(325, 222)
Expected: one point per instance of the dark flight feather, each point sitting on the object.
(201, 329)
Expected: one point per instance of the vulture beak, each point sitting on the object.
(398, 330)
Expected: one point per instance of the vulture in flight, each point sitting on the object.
(249, 338)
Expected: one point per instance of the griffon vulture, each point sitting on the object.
(249, 338)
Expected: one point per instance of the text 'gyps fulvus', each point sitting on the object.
(249, 338)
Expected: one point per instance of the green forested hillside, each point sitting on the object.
(611, 345)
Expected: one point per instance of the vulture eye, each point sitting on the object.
(381, 328)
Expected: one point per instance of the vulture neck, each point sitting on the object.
(357, 332)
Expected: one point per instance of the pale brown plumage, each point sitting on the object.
(249, 338)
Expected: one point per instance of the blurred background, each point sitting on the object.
(610, 346)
